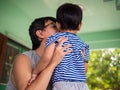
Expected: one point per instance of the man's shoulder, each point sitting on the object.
(29, 53)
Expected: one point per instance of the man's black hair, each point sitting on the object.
(38, 24)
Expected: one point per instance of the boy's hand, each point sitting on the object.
(33, 77)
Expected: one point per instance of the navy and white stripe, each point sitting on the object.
(72, 66)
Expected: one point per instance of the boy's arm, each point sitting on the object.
(43, 62)
(85, 56)
(85, 62)
(45, 59)
(86, 66)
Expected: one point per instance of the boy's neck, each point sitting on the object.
(71, 31)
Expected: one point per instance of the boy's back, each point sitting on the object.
(72, 66)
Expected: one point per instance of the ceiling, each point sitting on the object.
(17, 15)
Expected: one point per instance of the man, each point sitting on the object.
(24, 63)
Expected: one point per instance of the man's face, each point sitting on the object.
(50, 28)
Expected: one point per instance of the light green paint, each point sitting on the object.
(99, 16)
(103, 39)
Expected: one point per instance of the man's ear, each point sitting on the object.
(39, 34)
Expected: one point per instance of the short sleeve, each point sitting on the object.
(54, 38)
(86, 53)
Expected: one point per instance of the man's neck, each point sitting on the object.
(39, 51)
(41, 48)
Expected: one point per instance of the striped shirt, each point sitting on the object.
(72, 66)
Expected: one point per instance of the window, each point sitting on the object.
(11, 52)
(8, 50)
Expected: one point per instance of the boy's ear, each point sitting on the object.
(58, 25)
(79, 26)
(39, 34)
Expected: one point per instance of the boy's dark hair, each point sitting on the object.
(38, 24)
(69, 16)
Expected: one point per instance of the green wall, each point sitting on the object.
(103, 39)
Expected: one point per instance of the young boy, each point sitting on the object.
(70, 73)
